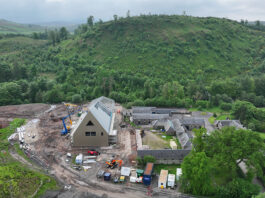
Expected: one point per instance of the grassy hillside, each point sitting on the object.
(8, 27)
(19, 44)
(180, 61)
(171, 47)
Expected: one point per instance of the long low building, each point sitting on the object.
(146, 118)
(95, 127)
(166, 156)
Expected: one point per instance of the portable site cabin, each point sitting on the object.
(171, 180)
(125, 171)
(162, 182)
(178, 174)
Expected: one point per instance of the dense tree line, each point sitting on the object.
(212, 168)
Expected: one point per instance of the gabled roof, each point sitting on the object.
(191, 121)
(102, 109)
(177, 126)
(147, 116)
(235, 123)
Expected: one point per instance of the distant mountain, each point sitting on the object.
(9, 27)
(70, 26)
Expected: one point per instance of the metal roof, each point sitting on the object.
(147, 116)
(102, 109)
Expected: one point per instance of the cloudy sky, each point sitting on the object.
(38, 11)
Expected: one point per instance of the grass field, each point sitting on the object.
(170, 167)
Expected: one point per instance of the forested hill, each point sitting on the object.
(163, 60)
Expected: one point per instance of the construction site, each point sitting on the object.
(59, 140)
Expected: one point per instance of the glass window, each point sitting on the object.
(87, 133)
(102, 133)
(93, 133)
(90, 123)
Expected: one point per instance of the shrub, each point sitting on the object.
(149, 158)
(76, 98)
(226, 106)
(202, 103)
(238, 188)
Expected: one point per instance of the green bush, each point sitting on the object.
(76, 98)
(238, 188)
(226, 106)
(149, 158)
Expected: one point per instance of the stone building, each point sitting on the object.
(95, 127)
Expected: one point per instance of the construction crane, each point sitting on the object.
(114, 163)
(67, 128)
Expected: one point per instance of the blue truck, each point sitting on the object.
(147, 177)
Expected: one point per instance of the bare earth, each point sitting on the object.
(48, 151)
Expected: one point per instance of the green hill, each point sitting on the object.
(180, 61)
(8, 27)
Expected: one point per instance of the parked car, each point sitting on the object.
(93, 152)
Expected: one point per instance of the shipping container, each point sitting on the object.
(148, 173)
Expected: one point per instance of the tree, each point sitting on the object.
(199, 140)
(260, 86)
(128, 14)
(242, 110)
(53, 96)
(52, 37)
(76, 98)
(115, 17)
(63, 33)
(238, 188)
(196, 174)
(5, 73)
(149, 158)
(229, 147)
(226, 106)
(261, 195)
(90, 21)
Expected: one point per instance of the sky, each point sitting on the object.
(76, 11)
